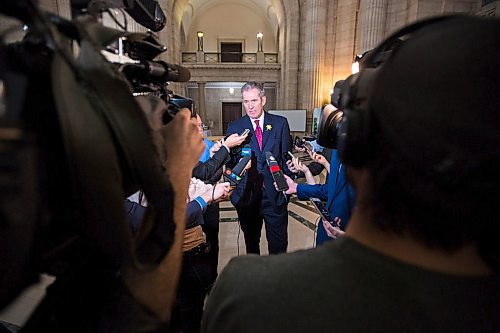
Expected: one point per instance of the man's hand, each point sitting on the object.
(333, 231)
(234, 140)
(216, 194)
(292, 186)
(215, 148)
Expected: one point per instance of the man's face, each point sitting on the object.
(200, 124)
(253, 103)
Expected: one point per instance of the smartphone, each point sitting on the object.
(309, 148)
(290, 154)
(320, 207)
(246, 131)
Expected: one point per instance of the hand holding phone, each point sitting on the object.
(245, 132)
(323, 212)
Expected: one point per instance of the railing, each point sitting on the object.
(229, 57)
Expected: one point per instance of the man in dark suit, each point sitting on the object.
(255, 197)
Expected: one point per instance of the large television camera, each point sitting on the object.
(74, 143)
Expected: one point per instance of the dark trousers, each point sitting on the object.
(276, 220)
(211, 219)
(194, 283)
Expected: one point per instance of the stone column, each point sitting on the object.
(371, 23)
(312, 88)
(201, 101)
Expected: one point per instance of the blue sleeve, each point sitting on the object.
(231, 129)
(304, 191)
(194, 214)
(135, 214)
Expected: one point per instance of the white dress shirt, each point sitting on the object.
(261, 122)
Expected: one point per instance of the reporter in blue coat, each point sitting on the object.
(337, 193)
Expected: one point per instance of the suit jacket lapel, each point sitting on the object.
(267, 129)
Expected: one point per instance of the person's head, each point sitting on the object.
(199, 123)
(253, 99)
(431, 124)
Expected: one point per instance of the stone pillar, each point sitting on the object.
(312, 87)
(202, 111)
(371, 23)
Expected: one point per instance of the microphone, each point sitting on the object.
(156, 70)
(246, 150)
(234, 176)
(276, 172)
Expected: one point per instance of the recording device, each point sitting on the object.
(344, 124)
(152, 78)
(51, 132)
(147, 13)
(276, 172)
(288, 156)
(246, 131)
(158, 71)
(246, 150)
(300, 143)
(322, 211)
(233, 176)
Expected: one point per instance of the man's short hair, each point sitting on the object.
(435, 128)
(254, 85)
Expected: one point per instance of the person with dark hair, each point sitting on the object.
(255, 197)
(420, 253)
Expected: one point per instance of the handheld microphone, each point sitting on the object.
(233, 176)
(246, 151)
(276, 172)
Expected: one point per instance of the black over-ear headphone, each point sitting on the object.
(347, 128)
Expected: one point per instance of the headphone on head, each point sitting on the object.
(346, 126)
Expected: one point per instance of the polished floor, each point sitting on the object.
(302, 222)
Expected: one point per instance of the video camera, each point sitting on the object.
(74, 143)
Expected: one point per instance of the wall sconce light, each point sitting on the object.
(200, 40)
(231, 91)
(260, 36)
(355, 67)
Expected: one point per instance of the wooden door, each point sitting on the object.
(230, 111)
(230, 52)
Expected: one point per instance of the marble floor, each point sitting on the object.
(301, 234)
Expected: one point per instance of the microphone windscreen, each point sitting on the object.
(184, 74)
(246, 151)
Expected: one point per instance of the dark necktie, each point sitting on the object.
(258, 133)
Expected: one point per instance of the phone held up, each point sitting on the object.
(322, 211)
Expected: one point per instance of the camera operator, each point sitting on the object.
(421, 250)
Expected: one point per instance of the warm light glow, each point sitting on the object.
(200, 40)
(331, 91)
(355, 67)
(231, 91)
(260, 35)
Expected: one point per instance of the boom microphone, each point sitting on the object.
(276, 172)
(159, 70)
